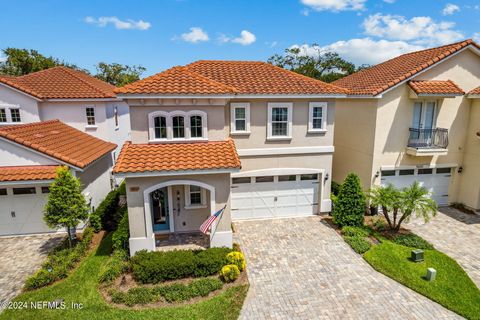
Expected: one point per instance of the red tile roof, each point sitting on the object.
(377, 79)
(475, 91)
(60, 83)
(230, 77)
(60, 141)
(27, 173)
(430, 87)
(177, 157)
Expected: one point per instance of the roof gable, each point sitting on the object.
(432, 87)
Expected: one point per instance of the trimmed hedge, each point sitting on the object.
(121, 235)
(60, 261)
(359, 244)
(349, 208)
(107, 216)
(413, 241)
(155, 266)
(171, 293)
(348, 231)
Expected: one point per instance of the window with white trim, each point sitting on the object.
(177, 125)
(90, 113)
(317, 119)
(195, 196)
(3, 115)
(15, 115)
(279, 120)
(115, 114)
(240, 118)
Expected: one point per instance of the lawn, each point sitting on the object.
(452, 288)
(81, 287)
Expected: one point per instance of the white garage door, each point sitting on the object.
(21, 210)
(436, 180)
(265, 197)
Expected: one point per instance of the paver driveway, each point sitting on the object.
(302, 269)
(19, 258)
(456, 234)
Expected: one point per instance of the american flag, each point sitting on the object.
(208, 223)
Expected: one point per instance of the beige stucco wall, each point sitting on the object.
(136, 215)
(354, 139)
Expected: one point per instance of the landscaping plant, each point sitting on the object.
(66, 206)
(237, 259)
(230, 272)
(413, 241)
(349, 208)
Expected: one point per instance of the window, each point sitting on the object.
(264, 179)
(196, 127)
(3, 115)
(18, 191)
(240, 118)
(407, 172)
(3, 192)
(309, 176)
(425, 171)
(317, 121)
(45, 189)
(115, 115)
(160, 127)
(178, 127)
(15, 114)
(388, 173)
(241, 180)
(195, 196)
(279, 120)
(444, 170)
(290, 177)
(90, 112)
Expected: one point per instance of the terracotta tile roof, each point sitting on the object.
(475, 91)
(430, 87)
(177, 157)
(377, 79)
(60, 83)
(229, 77)
(27, 173)
(58, 140)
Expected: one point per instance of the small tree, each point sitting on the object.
(66, 206)
(388, 199)
(350, 205)
(416, 199)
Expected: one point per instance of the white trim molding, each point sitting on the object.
(286, 151)
(277, 172)
(271, 106)
(188, 201)
(169, 125)
(173, 173)
(233, 128)
(311, 107)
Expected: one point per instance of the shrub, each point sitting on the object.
(348, 231)
(413, 241)
(115, 266)
(359, 245)
(107, 215)
(154, 267)
(379, 224)
(350, 206)
(335, 188)
(237, 259)
(121, 235)
(203, 287)
(230, 272)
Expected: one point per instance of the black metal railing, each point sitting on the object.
(428, 138)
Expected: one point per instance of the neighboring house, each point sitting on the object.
(246, 135)
(75, 98)
(29, 156)
(414, 117)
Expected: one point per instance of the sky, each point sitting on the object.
(164, 33)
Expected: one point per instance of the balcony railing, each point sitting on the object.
(428, 138)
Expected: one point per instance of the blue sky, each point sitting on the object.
(164, 33)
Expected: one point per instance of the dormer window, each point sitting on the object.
(90, 113)
(3, 116)
(15, 115)
(177, 126)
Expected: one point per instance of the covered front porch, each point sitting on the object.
(182, 241)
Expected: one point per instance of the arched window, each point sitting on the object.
(178, 126)
(160, 126)
(196, 127)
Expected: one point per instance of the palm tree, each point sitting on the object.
(416, 199)
(388, 199)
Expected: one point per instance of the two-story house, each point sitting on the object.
(414, 118)
(248, 136)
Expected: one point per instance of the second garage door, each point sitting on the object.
(264, 197)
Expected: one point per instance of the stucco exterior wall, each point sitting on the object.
(28, 105)
(14, 155)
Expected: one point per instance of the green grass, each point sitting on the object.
(82, 287)
(452, 288)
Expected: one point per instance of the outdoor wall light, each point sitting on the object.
(460, 169)
(326, 177)
(377, 174)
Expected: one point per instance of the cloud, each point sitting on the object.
(119, 24)
(389, 1)
(420, 30)
(364, 50)
(450, 9)
(271, 44)
(246, 38)
(195, 35)
(476, 38)
(335, 5)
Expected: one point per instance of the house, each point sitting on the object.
(415, 117)
(29, 156)
(74, 97)
(248, 136)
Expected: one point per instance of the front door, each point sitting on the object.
(160, 207)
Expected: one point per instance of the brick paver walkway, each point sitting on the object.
(456, 234)
(302, 269)
(20, 257)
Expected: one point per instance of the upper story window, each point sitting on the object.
(15, 115)
(317, 119)
(3, 115)
(90, 113)
(240, 118)
(279, 121)
(115, 115)
(177, 125)
(424, 115)
(10, 113)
